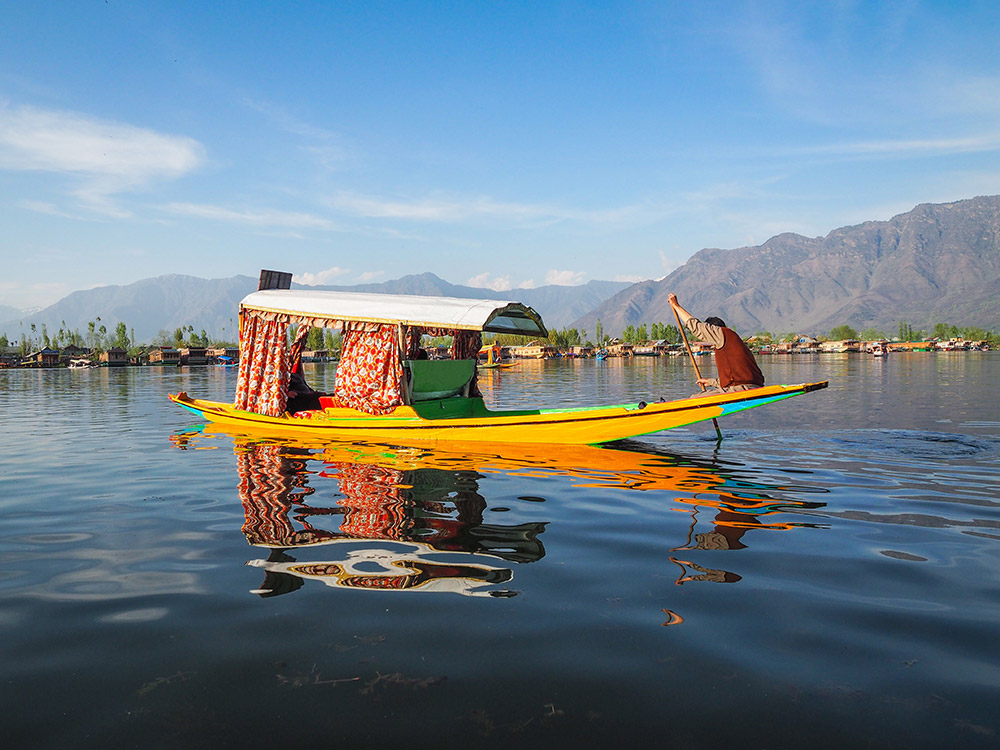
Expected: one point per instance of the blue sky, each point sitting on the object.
(496, 144)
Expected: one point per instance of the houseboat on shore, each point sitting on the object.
(114, 357)
(840, 347)
(619, 349)
(534, 350)
(165, 356)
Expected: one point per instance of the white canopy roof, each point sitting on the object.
(495, 316)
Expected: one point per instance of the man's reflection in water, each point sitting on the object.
(424, 513)
(736, 513)
(726, 535)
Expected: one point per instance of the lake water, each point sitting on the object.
(826, 577)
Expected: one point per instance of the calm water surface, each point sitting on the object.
(827, 576)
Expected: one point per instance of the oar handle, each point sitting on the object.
(687, 346)
(697, 372)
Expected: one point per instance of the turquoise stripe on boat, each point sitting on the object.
(744, 405)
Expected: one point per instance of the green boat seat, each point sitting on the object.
(438, 378)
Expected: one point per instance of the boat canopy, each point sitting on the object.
(495, 316)
(381, 332)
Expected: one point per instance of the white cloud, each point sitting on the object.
(44, 207)
(320, 277)
(265, 218)
(564, 278)
(920, 146)
(486, 280)
(436, 209)
(670, 264)
(370, 276)
(106, 157)
(325, 146)
(445, 209)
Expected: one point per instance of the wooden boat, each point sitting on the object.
(382, 394)
(493, 360)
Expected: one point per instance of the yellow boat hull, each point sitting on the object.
(468, 419)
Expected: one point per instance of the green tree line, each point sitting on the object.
(906, 332)
(567, 337)
(98, 338)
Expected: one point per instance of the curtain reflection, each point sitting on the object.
(427, 516)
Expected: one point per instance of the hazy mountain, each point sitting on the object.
(175, 301)
(558, 305)
(147, 306)
(935, 264)
(9, 313)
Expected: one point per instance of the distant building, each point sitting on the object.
(164, 355)
(847, 345)
(114, 357)
(72, 351)
(233, 352)
(42, 358)
(618, 348)
(191, 355)
(316, 355)
(534, 350)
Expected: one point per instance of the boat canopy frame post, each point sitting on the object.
(404, 385)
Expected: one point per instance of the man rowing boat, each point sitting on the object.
(735, 363)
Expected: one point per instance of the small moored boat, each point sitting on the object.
(384, 391)
(493, 359)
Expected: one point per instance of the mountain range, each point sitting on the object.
(177, 301)
(939, 263)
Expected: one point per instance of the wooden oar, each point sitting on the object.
(697, 372)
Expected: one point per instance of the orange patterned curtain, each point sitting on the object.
(295, 353)
(369, 371)
(412, 347)
(261, 386)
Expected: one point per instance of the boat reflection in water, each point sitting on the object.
(410, 518)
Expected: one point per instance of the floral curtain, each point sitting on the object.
(411, 348)
(295, 352)
(262, 383)
(301, 333)
(369, 373)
